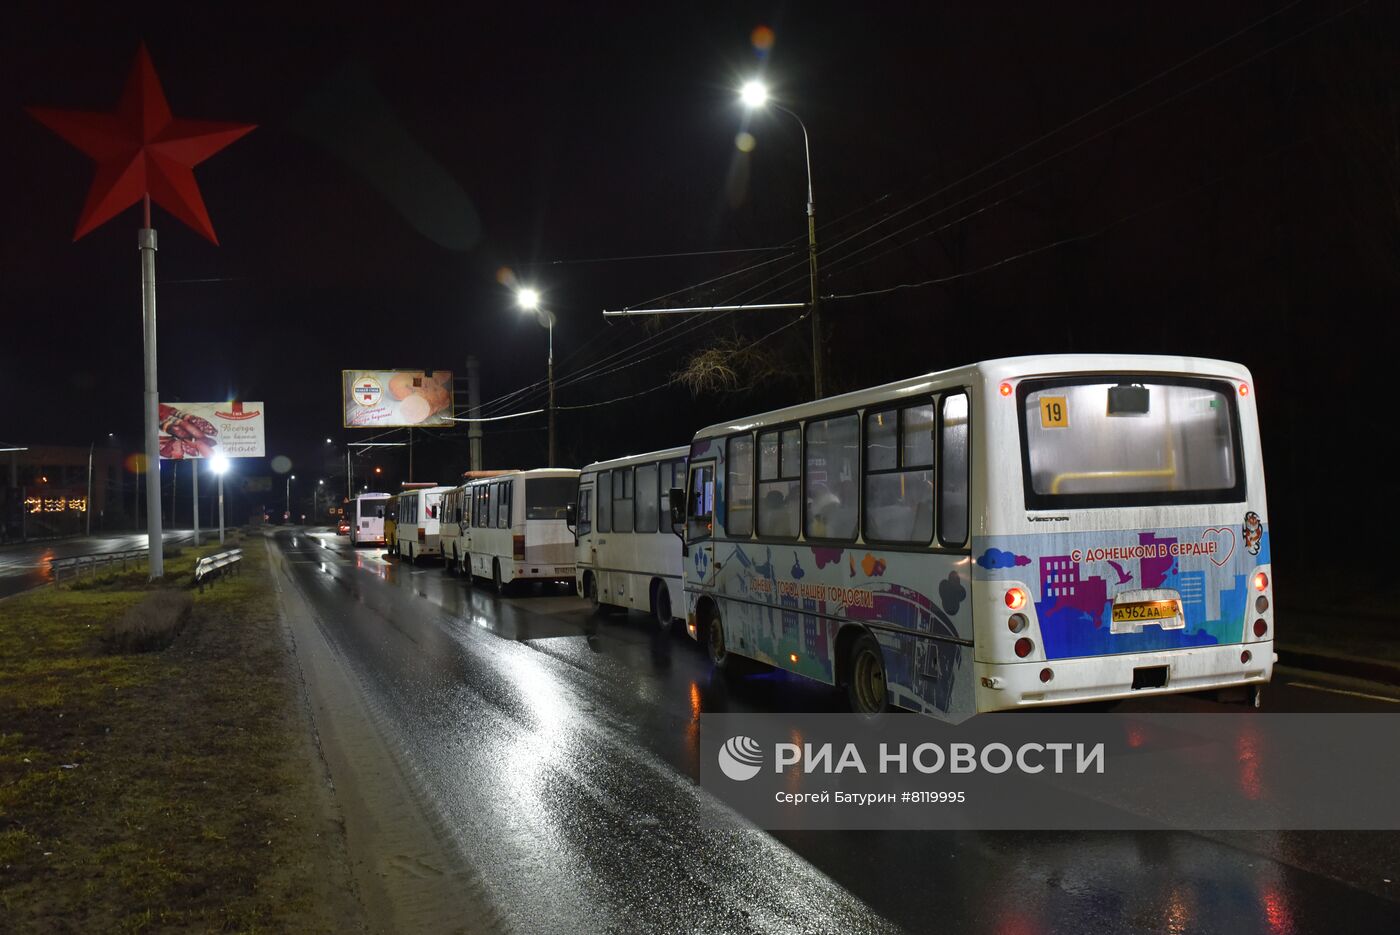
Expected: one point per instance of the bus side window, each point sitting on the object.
(899, 475)
(604, 496)
(831, 466)
(779, 484)
(647, 498)
(622, 492)
(953, 472)
(503, 516)
(701, 509)
(738, 487)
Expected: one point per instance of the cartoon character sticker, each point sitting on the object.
(1253, 532)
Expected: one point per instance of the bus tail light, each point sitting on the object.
(1245, 657)
(1005, 389)
(1260, 627)
(1017, 622)
(518, 547)
(1046, 675)
(1261, 581)
(1015, 598)
(1024, 647)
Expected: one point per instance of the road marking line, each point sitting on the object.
(1343, 691)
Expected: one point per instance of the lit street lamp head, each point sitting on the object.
(528, 299)
(753, 94)
(218, 464)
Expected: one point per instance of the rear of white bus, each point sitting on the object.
(1125, 549)
(542, 545)
(369, 520)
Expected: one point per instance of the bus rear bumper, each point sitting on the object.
(542, 572)
(1001, 686)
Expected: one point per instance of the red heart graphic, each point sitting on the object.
(1227, 530)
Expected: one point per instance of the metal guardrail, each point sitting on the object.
(77, 564)
(216, 565)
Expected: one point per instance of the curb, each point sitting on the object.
(1368, 669)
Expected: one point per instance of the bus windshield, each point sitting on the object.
(548, 497)
(1129, 441)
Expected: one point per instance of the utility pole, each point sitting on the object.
(473, 412)
(194, 499)
(88, 511)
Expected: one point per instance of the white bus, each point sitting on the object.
(366, 516)
(453, 518)
(514, 528)
(416, 533)
(1015, 533)
(626, 554)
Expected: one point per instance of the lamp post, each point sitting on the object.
(290, 478)
(529, 301)
(754, 95)
(219, 464)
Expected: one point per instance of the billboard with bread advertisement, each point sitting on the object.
(373, 399)
(203, 430)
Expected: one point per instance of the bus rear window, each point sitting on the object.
(1129, 441)
(548, 497)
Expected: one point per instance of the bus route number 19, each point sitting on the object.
(1054, 414)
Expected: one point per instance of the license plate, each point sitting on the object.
(1144, 611)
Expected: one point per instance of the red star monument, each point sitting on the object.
(142, 150)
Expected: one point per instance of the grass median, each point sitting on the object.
(165, 788)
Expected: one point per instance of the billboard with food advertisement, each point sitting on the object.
(396, 398)
(203, 430)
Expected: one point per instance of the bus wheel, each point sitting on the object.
(450, 567)
(662, 603)
(867, 687)
(590, 591)
(465, 567)
(496, 583)
(720, 657)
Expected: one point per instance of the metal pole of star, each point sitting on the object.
(147, 244)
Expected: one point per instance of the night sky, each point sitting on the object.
(1191, 178)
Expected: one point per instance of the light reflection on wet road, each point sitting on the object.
(560, 752)
(26, 565)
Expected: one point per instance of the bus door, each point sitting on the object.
(700, 523)
(587, 551)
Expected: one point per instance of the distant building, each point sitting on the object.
(45, 491)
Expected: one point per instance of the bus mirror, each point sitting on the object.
(571, 516)
(677, 507)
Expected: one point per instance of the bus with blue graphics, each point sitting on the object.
(1016, 533)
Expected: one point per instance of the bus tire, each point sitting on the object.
(465, 567)
(590, 591)
(725, 662)
(497, 584)
(450, 567)
(867, 688)
(661, 602)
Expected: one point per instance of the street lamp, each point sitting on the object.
(290, 478)
(219, 465)
(529, 301)
(754, 96)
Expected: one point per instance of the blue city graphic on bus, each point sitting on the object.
(1075, 578)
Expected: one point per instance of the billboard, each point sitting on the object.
(372, 399)
(203, 430)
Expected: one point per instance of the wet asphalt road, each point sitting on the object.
(561, 751)
(26, 565)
